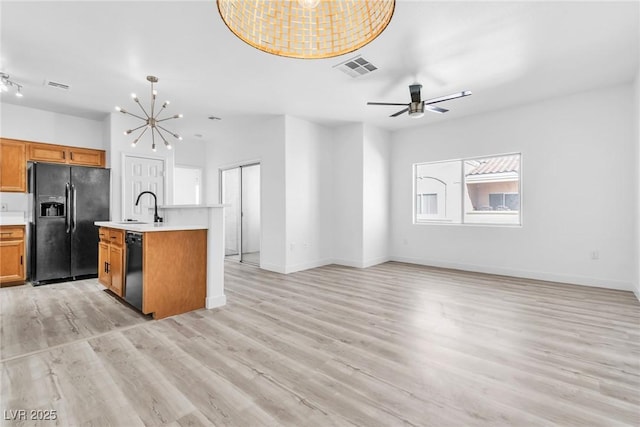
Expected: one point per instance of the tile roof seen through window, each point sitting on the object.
(497, 165)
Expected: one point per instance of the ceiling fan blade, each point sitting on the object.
(399, 112)
(435, 109)
(448, 97)
(414, 90)
(384, 103)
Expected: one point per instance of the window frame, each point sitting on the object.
(464, 191)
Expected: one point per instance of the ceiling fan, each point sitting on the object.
(416, 107)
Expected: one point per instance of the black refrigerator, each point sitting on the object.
(65, 202)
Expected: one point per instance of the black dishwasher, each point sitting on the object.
(133, 275)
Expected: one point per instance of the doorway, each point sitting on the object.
(240, 190)
(141, 174)
(187, 185)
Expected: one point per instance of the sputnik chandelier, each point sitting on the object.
(308, 29)
(152, 119)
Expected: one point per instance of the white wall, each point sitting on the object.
(375, 194)
(190, 153)
(347, 205)
(31, 124)
(308, 194)
(636, 117)
(241, 141)
(578, 170)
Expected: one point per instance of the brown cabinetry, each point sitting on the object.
(13, 165)
(14, 155)
(111, 259)
(52, 153)
(12, 262)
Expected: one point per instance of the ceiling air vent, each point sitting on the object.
(56, 85)
(356, 67)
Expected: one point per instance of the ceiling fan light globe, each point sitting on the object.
(416, 109)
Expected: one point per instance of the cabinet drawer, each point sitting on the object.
(116, 237)
(11, 233)
(103, 234)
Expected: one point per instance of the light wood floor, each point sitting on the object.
(392, 345)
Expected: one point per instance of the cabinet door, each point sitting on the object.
(116, 269)
(47, 153)
(13, 166)
(12, 261)
(103, 264)
(86, 157)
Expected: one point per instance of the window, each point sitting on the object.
(482, 190)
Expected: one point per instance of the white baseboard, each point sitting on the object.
(307, 265)
(273, 267)
(536, 275)
(360, 264)
(215, 301)
(375, 261)
(347, 262)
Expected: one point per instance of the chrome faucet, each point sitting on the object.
(156, 218)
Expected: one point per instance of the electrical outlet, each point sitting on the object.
(4, 207)
(595, 254)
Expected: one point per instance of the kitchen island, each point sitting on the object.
(172, 274)
(209, 220)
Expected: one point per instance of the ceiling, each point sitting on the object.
(507, 53)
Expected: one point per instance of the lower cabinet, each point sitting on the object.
(111, 259)
(12, 260)
(174, 273)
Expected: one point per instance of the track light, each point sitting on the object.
(6, 84)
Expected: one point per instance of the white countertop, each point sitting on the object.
(148, 227)
(192, 206)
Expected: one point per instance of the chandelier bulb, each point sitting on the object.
(118, 108)
(133, 144)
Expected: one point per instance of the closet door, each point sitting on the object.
(240, 191)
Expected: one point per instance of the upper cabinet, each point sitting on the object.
(13, 165)
(62, 154)
(14, 155)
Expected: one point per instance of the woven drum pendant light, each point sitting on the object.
(308, 29)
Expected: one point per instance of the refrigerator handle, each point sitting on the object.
(67, 216)
(75, 198)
